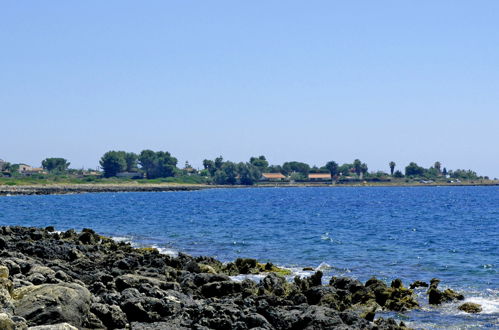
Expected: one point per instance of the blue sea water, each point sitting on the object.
(412, 233)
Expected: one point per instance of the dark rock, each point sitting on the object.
(112, 316)
(450, 295)
(470, 308)
(3, 243)
(396, 283)
(143, 289)
(418, 284)
(274, 284)
(436, 297)
(345, 283)
(87, 238)
(245, 265)
(220, 289)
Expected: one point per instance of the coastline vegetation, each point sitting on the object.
(158, 167)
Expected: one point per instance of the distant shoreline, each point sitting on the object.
(62, 189)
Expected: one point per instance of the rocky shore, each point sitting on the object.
(53, 189)
(81, 280)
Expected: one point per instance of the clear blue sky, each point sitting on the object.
(310, 81)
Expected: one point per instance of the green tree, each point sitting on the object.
(275, 169)
(227, 174)
(298, 167)
(113, 162)
(414, 169)
(159, 164)
(345, 169)
(363, 169)
(332, 167)
(392, 167)
(432, 173)
(5, 166)
(147, 161)
(209, 165)
(398, 174)
(219, 161)
(260, 162)
(438, 167)
(357, 165)
(464, 174)
(131, 161)
(249, 174)
(444, 172)
(55, 164)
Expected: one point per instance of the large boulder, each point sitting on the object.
(53, 303)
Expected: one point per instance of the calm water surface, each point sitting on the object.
(414, 233)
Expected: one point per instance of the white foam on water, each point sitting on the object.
(300, 272)
(323, 266)
(254, 277)
(166, 251)
(490, 305)
(121, 239)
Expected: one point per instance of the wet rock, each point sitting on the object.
(305, 283)
(3, 243)
(53, 303)
(395, 298)
(345, 283)
(274, 284)
(470, 307)
(112, 317)
(245, 266)
(220, 289)
(450, 295)
(436, 297)
(143, 289)
(418, 284)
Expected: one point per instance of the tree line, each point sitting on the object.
(161, 164)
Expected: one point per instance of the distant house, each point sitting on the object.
(189, 170)
(130, 175)
(28, 170)
(319, 176)
(24, 168)
(91, 173)
(272, 177)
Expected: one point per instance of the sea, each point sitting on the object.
(411, 233)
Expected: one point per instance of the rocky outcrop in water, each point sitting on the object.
(470, 307)
(436, 297)
(87, 281)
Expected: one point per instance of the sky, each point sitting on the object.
(310, 81)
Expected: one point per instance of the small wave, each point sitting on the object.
(166, 251)
(490, 305)
(325, 237)
(323, 266)
(121, 239)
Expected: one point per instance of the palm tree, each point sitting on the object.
(392, 167)
(438, 166)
